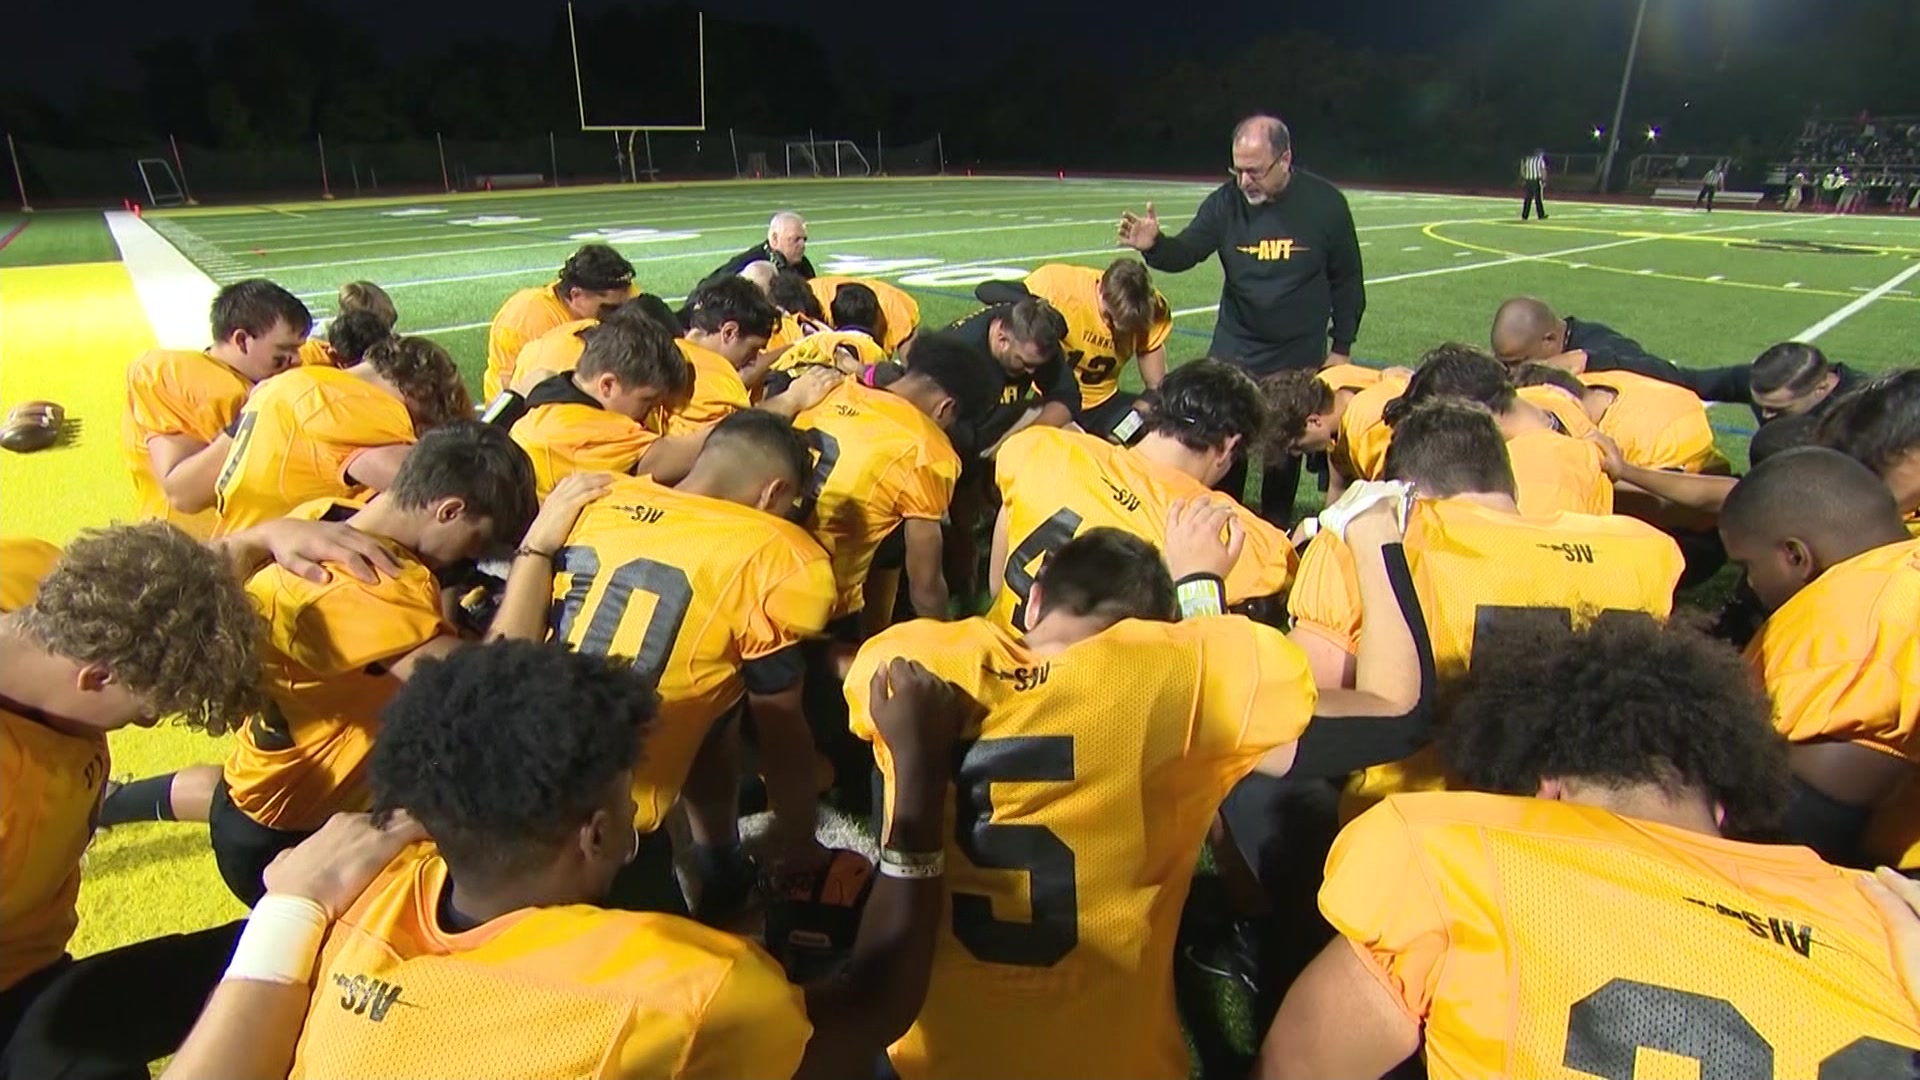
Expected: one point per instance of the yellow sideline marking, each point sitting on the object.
(66, 335)
(1431, 231)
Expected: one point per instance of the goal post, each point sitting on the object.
(637, 123)
(163, 187)
(836, 158)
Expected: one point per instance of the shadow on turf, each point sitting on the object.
(142, 846)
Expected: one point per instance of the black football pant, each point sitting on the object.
(1534, 199)
(1704, 198)
(243, 848)
(1103, 420)
(107, 1016)
(1279, 485)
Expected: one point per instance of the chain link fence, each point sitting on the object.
(344, 168)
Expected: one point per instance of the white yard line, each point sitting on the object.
(1855, 307)
(723, 252)
(1014, 260)
(173, 292)
(1461, 269)
(267, 271)
(561, 215)
(696, 223)
(244, 226)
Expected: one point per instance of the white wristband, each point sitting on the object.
(281, 941)
(912, 865)
(912, 873)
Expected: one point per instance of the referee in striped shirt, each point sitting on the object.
(1533, 172)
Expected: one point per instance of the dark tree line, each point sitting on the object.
(1540, 74)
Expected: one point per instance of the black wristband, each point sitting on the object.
(1201, 595)
(504, 411)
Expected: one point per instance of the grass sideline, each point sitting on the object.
(1702, 290)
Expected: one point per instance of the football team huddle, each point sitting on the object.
(503, 680)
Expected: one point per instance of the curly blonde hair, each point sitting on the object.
(426, 377)
(163, 613)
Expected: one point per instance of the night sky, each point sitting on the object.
(46, 51)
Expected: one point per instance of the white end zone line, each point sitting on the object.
(1854, 307)
(174, 293)
(1439, 270)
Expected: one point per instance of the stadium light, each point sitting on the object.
(1620, 103)
(1652, 133)
(1597, 132)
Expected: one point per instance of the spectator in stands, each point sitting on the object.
(785, 247)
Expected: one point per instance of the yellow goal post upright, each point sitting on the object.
(629, 156)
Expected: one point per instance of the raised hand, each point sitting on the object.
(562, 508)
(1137, 232)
(1204, 536)
(334, 866)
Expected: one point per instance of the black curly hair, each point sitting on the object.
(647, 308)
(858, 306)
(503, 751)
(1876, 424)
(791, 294)
(1206, 403)
(1536, 374)
(732, 300)
(1625, 701)
(1455, 370)
(352, 334)
(964, 373)
(595, 268)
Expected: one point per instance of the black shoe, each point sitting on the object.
(1231, 953)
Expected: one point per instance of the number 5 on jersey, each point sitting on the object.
(1053, 927)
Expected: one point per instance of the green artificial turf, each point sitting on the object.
(1701, 290)
(55, 238)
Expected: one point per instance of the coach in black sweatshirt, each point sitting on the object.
(1292, 265)
(1287, 247)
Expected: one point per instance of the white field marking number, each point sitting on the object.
(633, 236)
(841, 265)
(413, 211)
(963, 275)
(485, 220)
